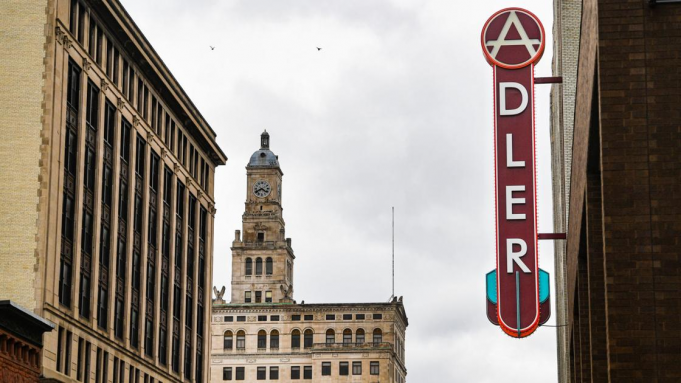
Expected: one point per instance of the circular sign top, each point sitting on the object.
(513, 38)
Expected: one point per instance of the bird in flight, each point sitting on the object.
(212, 47)
(319, 49)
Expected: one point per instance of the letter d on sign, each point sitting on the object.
(502, 98)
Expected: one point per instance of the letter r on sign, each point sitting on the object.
(512, 256)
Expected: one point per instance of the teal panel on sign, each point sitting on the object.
(544, 286)
(492, 286)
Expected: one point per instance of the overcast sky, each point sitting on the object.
(394, 110)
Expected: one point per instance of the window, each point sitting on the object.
(249, 266)
(378, 316)
(258, 266)
(258, 297)
(374, 368)
(347, 316)
(240, 341)
(261, 235)
(378, 336)
(326, 368)
(347, 336)
(268, 297)
(295, 317)
(262, 339)
(330, 317)
(330, 336)
(268, 266)
(227, 373)
(343, 369)
(356, 368)
(309, 317)
(247, 297)
(295, 339)
(240, 373)
(360, 316)
(307, 338)
(359, 336)
(295, 372)
(274, 373)
(262, 373)
(241, 318)
(274, 318)
(262, 318)
(229, 319)
(228, 340)
(274, 340)
(307, 372)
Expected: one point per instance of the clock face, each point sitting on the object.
(261, 189)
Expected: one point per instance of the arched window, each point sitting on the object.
(347, 336)
(295, 339)
(378, 336)
(330, 336)
(308, 338)
(229, 340)
(268, 266)
(359, 336)
(249, 266)
(258, 266)
(262, 339)
(241, 340)
(274, 340)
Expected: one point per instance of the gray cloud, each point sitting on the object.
(395, 110)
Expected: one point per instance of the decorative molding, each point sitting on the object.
(66, 41)
(177, 168)
(104, 85)
(120, 104)
(59, 35)
(190, 183)
(135, 121)
(86, 65)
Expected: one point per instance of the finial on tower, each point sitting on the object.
(265, 140)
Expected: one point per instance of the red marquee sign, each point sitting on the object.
(513, 41)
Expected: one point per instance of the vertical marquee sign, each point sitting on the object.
(513, 41)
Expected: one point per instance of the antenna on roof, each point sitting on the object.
(393, 251)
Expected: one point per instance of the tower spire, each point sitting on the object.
(265, 140)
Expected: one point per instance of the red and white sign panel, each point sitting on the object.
(513, 41)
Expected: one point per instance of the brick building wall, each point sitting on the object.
(23, 27)
(624, 238)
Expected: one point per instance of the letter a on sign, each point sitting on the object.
(513, 41)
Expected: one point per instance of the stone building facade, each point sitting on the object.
(107, 173)
(622, 271)
(264, 334)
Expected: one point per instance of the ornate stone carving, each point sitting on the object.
(176, 168)
(164, 153)
(120, 104)
(104, 85)
(59, 35)
(86, 65)
(135, 121)
(218, 295)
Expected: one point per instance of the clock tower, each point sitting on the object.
(262, 257)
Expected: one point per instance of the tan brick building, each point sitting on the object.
(618, 189)
(107, 186)
(264, 334)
